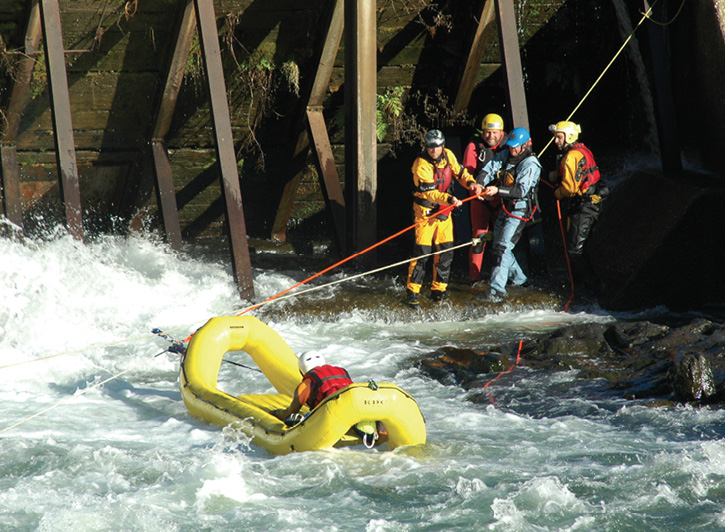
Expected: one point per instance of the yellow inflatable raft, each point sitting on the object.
(328, 425)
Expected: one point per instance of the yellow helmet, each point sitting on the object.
(570, 129)
(492, 121)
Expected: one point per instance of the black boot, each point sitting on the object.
(438, 295)
(411, 298)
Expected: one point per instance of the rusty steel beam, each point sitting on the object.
(60, 109)
(473, 63)
(175, 71)
(163, 178)
(317, 94)
(328, 55)
(165, 195)
(209, 39)
(9, 170)
(23, 74)
(512, 62)
(332, 190)
(12, 201)
(360, 123)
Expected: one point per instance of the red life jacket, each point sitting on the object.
(587, 174)
(443, 176)
(325, 381)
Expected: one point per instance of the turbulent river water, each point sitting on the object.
(78, 454)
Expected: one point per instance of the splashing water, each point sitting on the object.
(127, 455)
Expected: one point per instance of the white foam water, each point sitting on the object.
(126, 455)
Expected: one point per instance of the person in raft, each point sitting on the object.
(318, 381)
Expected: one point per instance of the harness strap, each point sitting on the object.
(533, 211)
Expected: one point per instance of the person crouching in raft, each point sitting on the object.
(318, 381)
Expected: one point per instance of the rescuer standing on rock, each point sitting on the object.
(580, 189)
(433, 174)
(481, 149)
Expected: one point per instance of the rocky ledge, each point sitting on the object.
(662, 363)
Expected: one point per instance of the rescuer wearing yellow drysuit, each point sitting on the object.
(433, 173)
(579, 187)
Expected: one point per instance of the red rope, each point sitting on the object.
(566, 254)
(521, 219)
(518, 358)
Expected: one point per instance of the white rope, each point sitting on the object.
(117, 375)
(370, 272)
(82, 392)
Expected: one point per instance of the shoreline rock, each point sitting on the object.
(642, 360)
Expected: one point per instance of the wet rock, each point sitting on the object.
(640, 268)
(691, 377)
(451, 365)
(683, 362)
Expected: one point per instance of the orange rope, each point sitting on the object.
(444, 210)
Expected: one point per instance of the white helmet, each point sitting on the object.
(309, 360)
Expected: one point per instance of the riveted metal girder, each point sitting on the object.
(326, 166)
(60, 110)
(317, 131)
(360, 123)
(9, 170)
(226, 158)
(165, 193)
(512, 62)
(473, 63)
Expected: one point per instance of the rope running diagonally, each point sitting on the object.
(117, 375)
(596, 82)
(82, 392)
(357, 276)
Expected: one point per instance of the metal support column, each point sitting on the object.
(165, 194)
(226, 158)
(360, 122)
(12, 201)
(334, 196)
(9, 170)
(473, 63)
(329, 178)
(317, 131)
(60, 110)
(512, 62)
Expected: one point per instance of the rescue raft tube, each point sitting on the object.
(328, 425)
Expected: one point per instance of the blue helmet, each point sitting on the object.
(518, 137)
